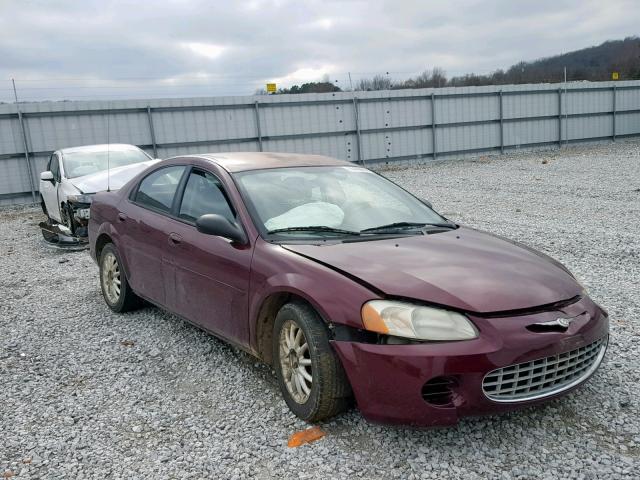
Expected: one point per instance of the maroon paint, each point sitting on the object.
(463, 268)
(222, 287)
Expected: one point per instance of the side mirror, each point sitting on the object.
(427, 203)
(214, 224)
(47, 176)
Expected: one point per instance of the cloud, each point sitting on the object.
(116, 49)
(206, 50)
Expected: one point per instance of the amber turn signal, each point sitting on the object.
(372, 320)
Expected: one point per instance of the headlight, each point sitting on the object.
(416, 321)
(80, 198)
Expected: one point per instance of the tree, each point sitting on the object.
(379, 82)
(311, 87)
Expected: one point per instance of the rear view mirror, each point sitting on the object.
(214, 224)
(46, 176)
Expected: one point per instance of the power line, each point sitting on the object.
(204, 77)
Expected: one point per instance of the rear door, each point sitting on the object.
(211, 273)
(145, 238)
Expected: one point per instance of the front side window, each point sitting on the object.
(204, 194)
(54, 167)
(158, 189)
(341, 200)
(88, 161)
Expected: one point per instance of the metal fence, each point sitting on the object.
(369, 127)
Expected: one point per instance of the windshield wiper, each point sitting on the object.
(405, 225)
(314, 228)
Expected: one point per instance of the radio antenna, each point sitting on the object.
(108, 163)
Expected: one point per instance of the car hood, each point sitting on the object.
(465, 269)
(112, 180)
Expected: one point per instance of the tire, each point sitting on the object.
(68, 219)
(329, 392)
(119, 300)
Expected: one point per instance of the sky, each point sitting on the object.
(83, 49)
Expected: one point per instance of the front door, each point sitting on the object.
(49, 190)
(211, 273)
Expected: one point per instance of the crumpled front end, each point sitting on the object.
(510, 365)
(79, 208)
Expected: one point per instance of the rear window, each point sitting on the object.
(158, 189)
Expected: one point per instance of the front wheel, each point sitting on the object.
(68, 218)
(115, 288)
(312, 380)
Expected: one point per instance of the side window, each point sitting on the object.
(158, 189)
(204, 194)
(54, 167)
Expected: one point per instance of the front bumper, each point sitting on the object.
(388, 380)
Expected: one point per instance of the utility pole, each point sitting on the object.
(566, 115)
(24, 143)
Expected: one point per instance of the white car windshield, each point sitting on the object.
(343, 199)
(86, 162)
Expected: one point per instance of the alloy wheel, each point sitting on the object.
(295, 360)
(111, 277)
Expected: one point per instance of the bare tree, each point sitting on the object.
(379, 82)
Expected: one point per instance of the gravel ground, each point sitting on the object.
(90, 394)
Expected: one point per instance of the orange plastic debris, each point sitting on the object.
(305, 436)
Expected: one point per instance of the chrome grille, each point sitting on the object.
(543, 377)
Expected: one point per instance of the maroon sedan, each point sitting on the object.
(348, 285)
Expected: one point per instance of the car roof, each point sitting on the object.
(98, 148)
(243, 161)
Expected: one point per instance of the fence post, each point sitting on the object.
(559, 117)
(501, 124)
(614, 114)
(433, 125)
(357, 119)
(153, 133)
(258, 129)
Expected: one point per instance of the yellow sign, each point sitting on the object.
(614, 76)
(271, 87)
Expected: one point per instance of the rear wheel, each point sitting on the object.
(115, 289)
(310, 375)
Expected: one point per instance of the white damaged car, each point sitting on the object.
(75, 174)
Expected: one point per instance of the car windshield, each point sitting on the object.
(321, 201)
(86, 162)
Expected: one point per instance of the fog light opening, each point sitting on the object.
(439, 391)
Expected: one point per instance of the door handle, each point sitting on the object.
(175, 239)
(122, 217)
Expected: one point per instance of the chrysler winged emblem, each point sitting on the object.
(560, 322)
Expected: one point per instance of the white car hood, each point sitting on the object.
(113, 180)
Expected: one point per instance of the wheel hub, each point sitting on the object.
(293, 359)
